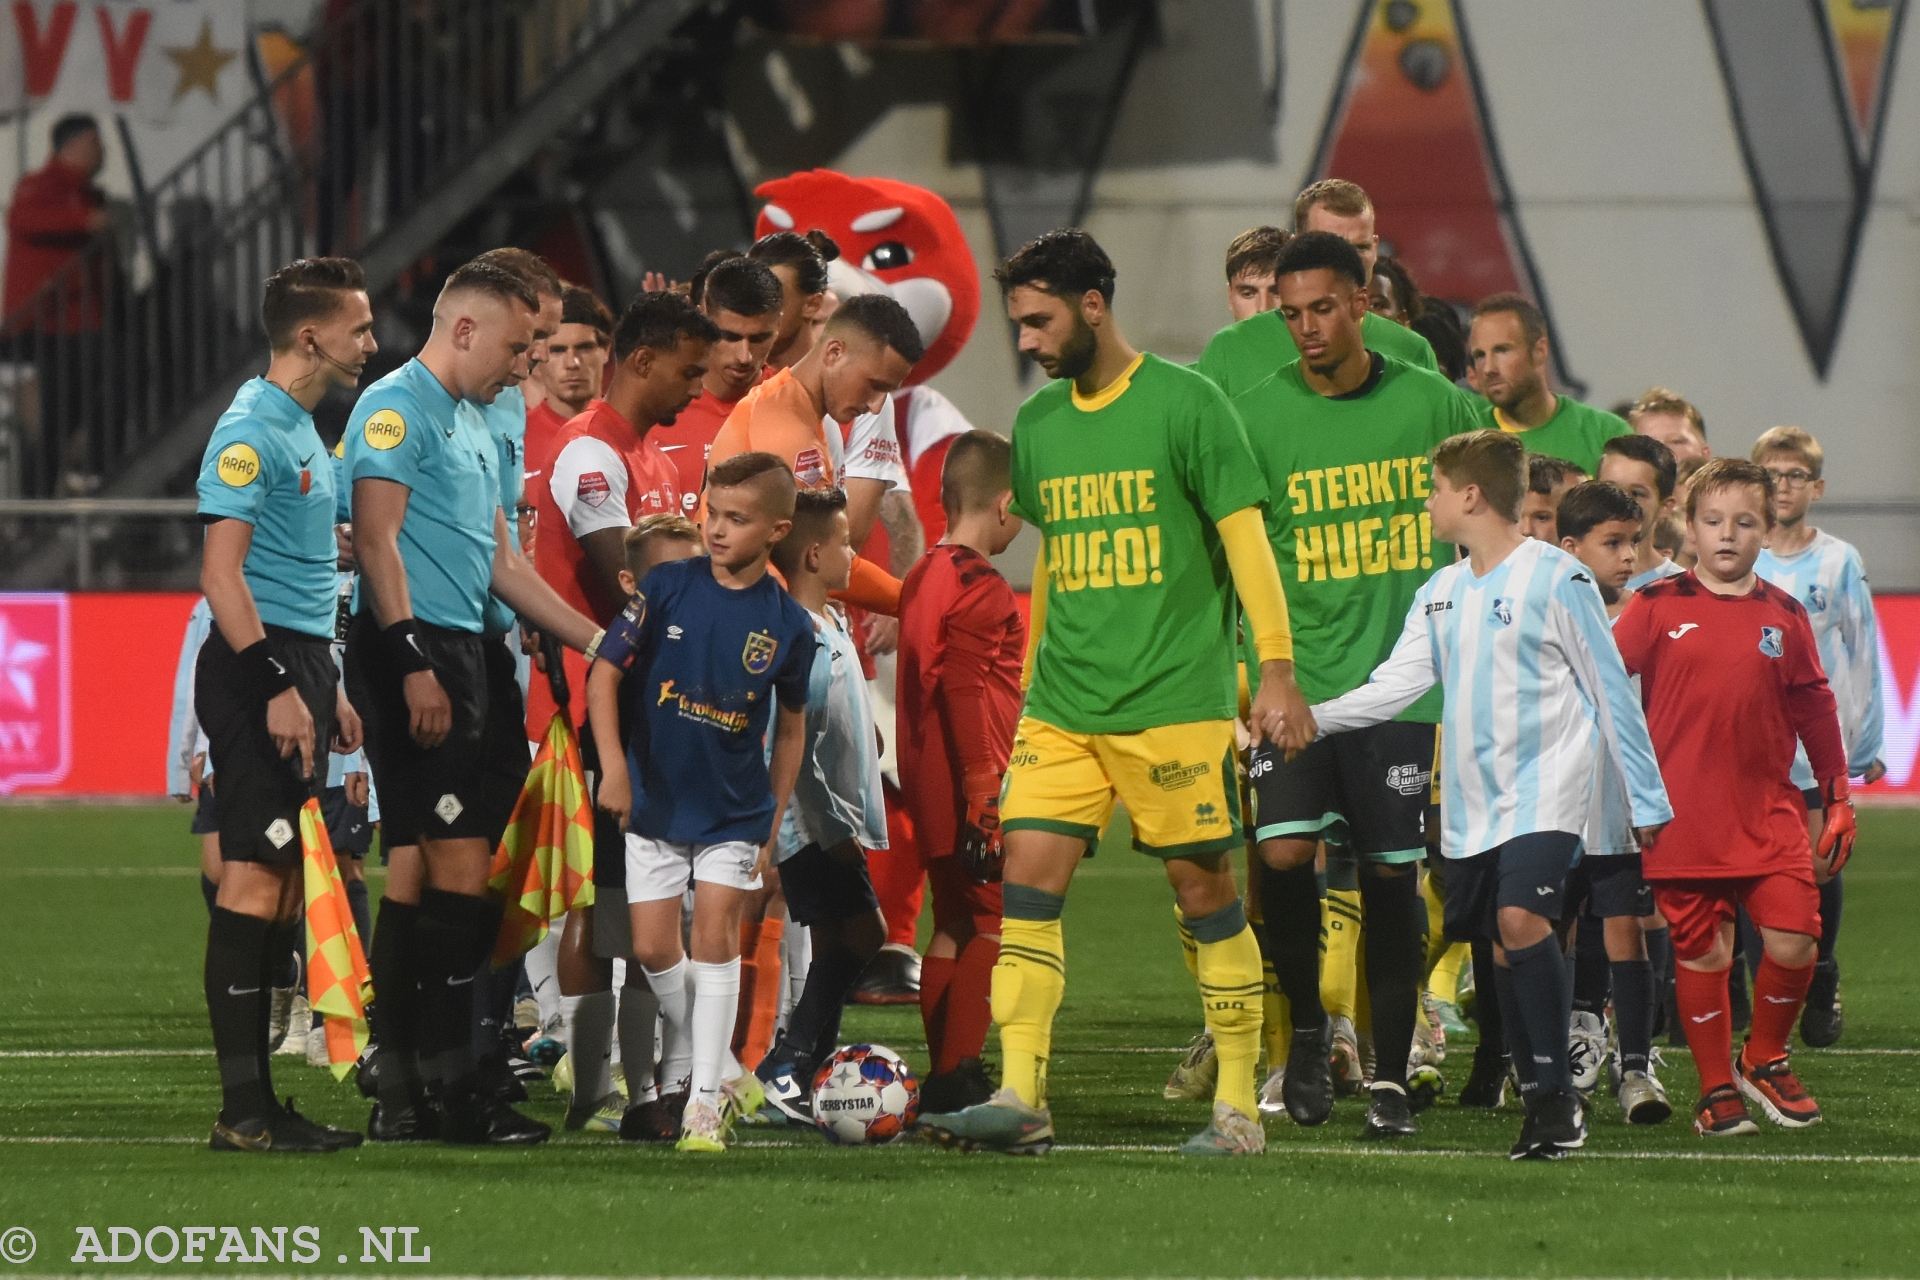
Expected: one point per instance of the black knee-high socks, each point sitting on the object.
(1290, 919)
(238, 1003)
(1396, 949)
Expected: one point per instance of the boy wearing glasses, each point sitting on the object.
(1825, 575)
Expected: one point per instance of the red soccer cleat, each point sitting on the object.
(1778, 1091)
(1721, 1114)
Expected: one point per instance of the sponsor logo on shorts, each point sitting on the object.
(239, 466)
(1503, 611)
(1260, 766)
(384, 429)
(757, 657)
(449, 807)
(1409, 779)
(1206, 815)
(1174, 776)
(1023, 755)
(1773, 641)
(280, 831)
(593, 489)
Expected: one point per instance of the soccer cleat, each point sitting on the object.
(1820, 1022)
(955, 1090)
(414, 1123)
(1721, 1114)
(654, 1121)
(1425, 1086)
(1560, 1123)
(562, 1075)
(1525, 1147)
(471, 1118)
(1643, 1098)
(317, 1046)
(702, 1129)
(603, 1116)
(1586, 1050)
(1778, 1091)
(741, 1098)
(1389, 1115)
(287, 1034)
(1003, 1123)
(497, 1079)
(786, 1092)
(526, 1013)
(273, 1133)
(1273, 1092)
(1344, 1058)
(1429, 1037)
(545, 1052)
(891, 977)
(1232, 1133)
(1448, 1015)
(1307, 1089)
(1194, 1078)
(1486, 1084)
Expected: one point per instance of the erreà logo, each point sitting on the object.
(385, 429)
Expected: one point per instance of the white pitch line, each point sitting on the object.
(106, 1053)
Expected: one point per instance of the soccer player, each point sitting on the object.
(1537, 697)
(1343, 437)
(1670, 418)
(1247, 351)
(430, 536)
(743, 299)
(563, 385)
(800, 262)
(1250, 259)
(712, 642)
(836, 814)
(1644, 468)
(1618, 927)
(1548, 479)
(1149, 504)
(1730, 675)
(1393, 294)
(961, 643)
(265, 688)
(1825, 575)
(1509, 349)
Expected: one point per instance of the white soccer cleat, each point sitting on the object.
(1586, 1051)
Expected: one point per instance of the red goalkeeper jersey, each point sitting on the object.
(1729, 684)
(961, 644)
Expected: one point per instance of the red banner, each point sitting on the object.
(86, 688)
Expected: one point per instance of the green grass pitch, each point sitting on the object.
(103, 951)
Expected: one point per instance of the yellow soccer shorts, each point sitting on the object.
(1177, 781)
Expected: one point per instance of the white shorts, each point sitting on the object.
(659, 869)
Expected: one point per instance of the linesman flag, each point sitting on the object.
(338, 981)
(544, 865)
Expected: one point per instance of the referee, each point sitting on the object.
(266, 689)
(431, 538)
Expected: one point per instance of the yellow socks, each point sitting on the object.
(1276, 1017)
(1339, 962)
(1189, 949)
(1028, 981)
(1231, 991)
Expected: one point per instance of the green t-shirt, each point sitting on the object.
(1349, 524)
(1245, 352)
(1125, 493)
(1575, 432)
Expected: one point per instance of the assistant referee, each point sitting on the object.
(432, 542)
(266, 689)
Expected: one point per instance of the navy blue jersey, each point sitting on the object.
(703, 665)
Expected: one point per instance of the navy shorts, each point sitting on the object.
(348, 829)
(206, 818)
(823, 890)
(1607, 887)
(1529, 872)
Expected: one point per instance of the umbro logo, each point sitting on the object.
(674, 633)
(1682, 629)
(1708, 1016)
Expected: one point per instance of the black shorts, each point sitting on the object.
(348, 829)
(1367, 790)
(507, 754)
(823, 890)
(259, 795)
(1607, 887)
(1529, 872)
(206, 815)
(445, 793)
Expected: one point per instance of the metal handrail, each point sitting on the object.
(54, 508)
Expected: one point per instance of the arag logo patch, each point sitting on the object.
(384, 429)
(238, 466)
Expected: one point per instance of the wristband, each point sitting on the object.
(404, 648)
(592, 650)
(268, 676)
(1837, 790)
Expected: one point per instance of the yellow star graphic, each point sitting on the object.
(200, 64)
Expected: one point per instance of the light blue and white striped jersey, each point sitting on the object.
(1667, 568)
(837, 796)
(1535, 694)
(1829, 580)
(1610, 824)
(184, 739)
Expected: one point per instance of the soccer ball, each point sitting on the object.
(864, 1094)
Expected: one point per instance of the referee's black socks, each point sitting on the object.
(1396, 943)
(454, 938)
(396, 1006)
(238, 1004)
(1290, 919)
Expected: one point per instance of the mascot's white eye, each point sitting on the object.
(888, 255)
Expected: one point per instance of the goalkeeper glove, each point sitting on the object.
(980, 837)
(1838, 828)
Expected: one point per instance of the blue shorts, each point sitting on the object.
(1529, 872)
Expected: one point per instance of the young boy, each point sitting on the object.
(1548, 479)
(1730, 675)
(837, 812)
(714, 640)
(961, 642)
(1607, 899)
(1644, 468)
(1536, 696)
(1825, 575)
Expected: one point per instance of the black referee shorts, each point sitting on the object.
(448, 792)
(257, 794)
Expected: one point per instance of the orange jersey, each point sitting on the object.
(688, 442)
(779, 417)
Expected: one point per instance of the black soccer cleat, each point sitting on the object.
(415, 1122)
(655, 1121)
(274, 1133)
(498, 1081)
(1559, 1125)
(1307, 1090)
(1820, 1022)
(469, 1118)
(891, 977)
(1525, 1147)
(1389, 1115)
(965, 1086)
(1486, 1085)
(341, 1139)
